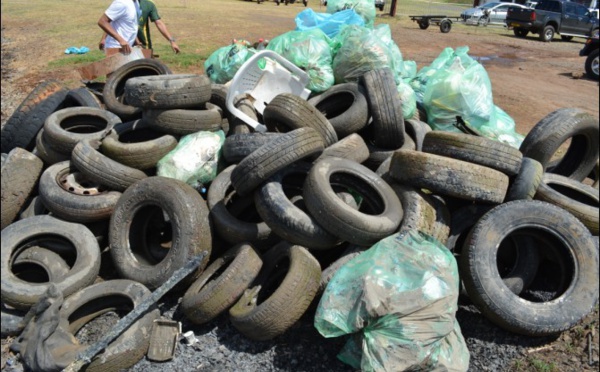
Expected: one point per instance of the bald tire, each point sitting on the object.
(237, 146)
(221, 284)
(524, 185)
(263, 319)
(352, 147)
(478, 265)
(20, 174)
(183, 121)
(47, 153)
(474, 149)
(49, 261)
(446, 176)
(381, 158)
(274, 156)
(176, 91)
(420, 211)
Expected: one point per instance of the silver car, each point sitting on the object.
(490, 13)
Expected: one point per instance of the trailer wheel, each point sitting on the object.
(445, 26)
(423, 24)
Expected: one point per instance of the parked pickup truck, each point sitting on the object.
(551, 17)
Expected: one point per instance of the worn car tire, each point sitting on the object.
(134, 238)
(524, 185)
(46, 152)
(222, 284)
(237, 146)
(591, 65)
(26, 121)
(503, 307)
(183, 121)
(27, 232)
(81, 97)
(265, 311)
(352, 147)
(176, 91)
(546, 137)
(54, 266)
(520, 32)
(445, 26)
(20, 174)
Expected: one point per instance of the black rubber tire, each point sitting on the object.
(328, 273)
(20, 174)
(288, 112)
(54, 266)
(423, 24)
(352, 147)
(566, 38)
(218, 97)
(237, 125)
(136, 145)
(220, 199)
(93, 301)
(274, 156)
(81, 204)
(100, 168)
(132, 237)
(81, 97)
(237, 146)
(524, 185)
(545, 138)
(177, 91)
(26, 121)
(463, 219)
(501, 306)
(420, 211)
(222, 284)
(11, 323)
(33, 231)
(114, 89)
(441, 226)
(589, 61)
(345, 106)
(446, 176)
(385, 107)
(519, 32)
(416, 130)
(547, 34)
(46, 152)
(34, 208)
(474, 149)
(265, 312)
(183, 121)
(581, 200)
(445, 26)
(65, 128)
(285, 218)
(361, 227)
(379, 156)
(518, 260)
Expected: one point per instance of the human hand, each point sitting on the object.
(101, 45)
(175, 47)
(125, 48)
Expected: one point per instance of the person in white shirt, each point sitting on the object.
(120, 22)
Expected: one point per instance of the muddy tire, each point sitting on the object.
(34, 231)
(420, 212)
(446, 176)
(183, 121)
(289, 112)
(352, 147)
(379, 156)
(54, 266)
(91, 302)
(385, 107)
(265, 310)
(46, 152)
(345, 106)
(218, 97)
(138, 224)
(81, 97)
(473, 149)
(328, 273)
(545, 138)
(274, 156)
(135, 145)
(212, 294)
(581, 200)
(416, 130)
(71, 196)
(237, 125)
(503, 307)
(383, 211)
(34, 208)
(100, 168)
(177, 91)
(20, 174)
(524, 185)
(237, 146)
(24, 124)
(114, 89)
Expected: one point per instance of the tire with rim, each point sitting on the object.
(446, 26)
(177, 91)
(112, 295)
(34, 231)
(70, 195)
(488, 292)
(423, 24)
(184, 121)
(546, 137)
(221, 284)
(283, 291)
(382, 210)
(524, 185)
(148, 214)
(114, 89)
(591, 65)
(547, 34)
(20, 174)
(26, 121)
(519, 32)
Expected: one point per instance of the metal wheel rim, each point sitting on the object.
(79, 184)
(595, 67)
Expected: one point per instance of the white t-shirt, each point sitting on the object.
(124, 19)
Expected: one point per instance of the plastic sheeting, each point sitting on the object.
(364, 8)
(330, 24)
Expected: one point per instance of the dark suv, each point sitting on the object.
(590, 50)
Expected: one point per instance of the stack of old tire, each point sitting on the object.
(333, 175)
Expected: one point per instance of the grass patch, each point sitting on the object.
(76, 59)
(542, 366)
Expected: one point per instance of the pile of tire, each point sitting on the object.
(333, 175)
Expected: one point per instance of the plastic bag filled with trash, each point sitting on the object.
(330, 24)
(311, 51)
(364, 8)
(195, 160)
(398, 299)
(224, 62)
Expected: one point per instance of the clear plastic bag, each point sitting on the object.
(408, 99)
(364, 8)
(399, 300)
(330, 24)
(224, 62)
(195, 160)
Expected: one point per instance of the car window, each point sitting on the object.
(502, 8)
(569, 8)
(489, 5)
(581, 10)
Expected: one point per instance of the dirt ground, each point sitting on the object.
(530, 79)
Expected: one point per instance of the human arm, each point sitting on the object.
(165, 32)
(102, 41)
(104, 24)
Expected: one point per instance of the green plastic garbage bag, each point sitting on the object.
(398, 299)
(364, 8)
(195, 160)
(222, 65)
(311, 51)
(408, 99)
(419, 82)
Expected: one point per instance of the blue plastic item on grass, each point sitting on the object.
(330, 24)
(75, 50)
